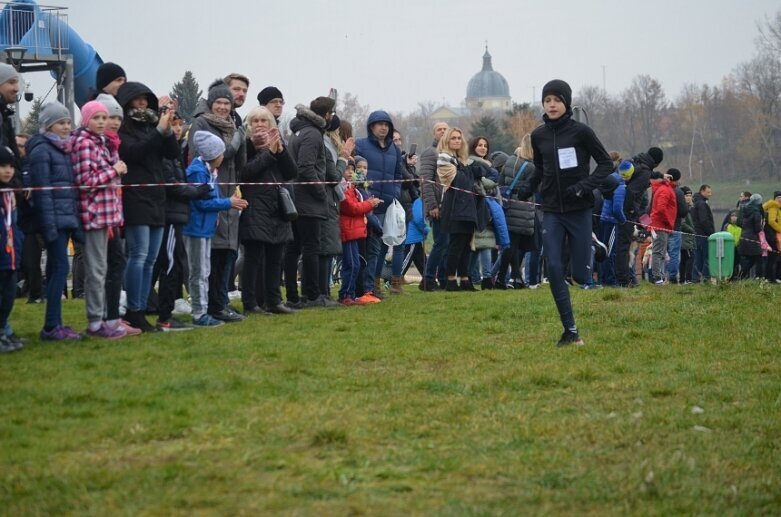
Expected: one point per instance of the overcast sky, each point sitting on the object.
(394, 54)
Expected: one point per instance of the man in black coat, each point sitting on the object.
(635, 190)
(703, 227)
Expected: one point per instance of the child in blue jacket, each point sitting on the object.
(10, 247)
(209, 150)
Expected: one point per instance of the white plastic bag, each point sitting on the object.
(394, 229)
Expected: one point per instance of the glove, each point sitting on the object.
(204, 191)
(574, 192)
(524, 193)
(78, 236)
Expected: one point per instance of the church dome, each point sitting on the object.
(487, 82)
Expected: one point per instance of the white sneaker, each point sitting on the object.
(234, 295)
(534, 286)
(181, 307)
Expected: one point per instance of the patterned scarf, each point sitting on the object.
(147, 115)
(224, 125)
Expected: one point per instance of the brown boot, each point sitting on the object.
(379, 283)
(396, 285)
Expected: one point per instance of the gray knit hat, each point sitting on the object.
(219, 91)
(113, 107)
(51, 113)
(7, 72)
(207, 145)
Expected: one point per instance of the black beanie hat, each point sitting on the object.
(7, 156)
(335, 123)
(656, 154)
(322, 105)
(268, 94)
(560, 89)
(108, 72)
(777, 193)
(675, 173)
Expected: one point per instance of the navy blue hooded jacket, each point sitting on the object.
(385, 163)
(55, 210)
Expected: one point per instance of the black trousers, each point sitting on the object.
(309, 238)
(458, 255)
(623, 242)
(324, 274)
(685, 268)
(261, 274)
(78, 270)
(31, 265)
(170, 283)
(415, 254)
(222, 261)
(116, 261)
(292, 254)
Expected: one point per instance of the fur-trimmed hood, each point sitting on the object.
(304, 117)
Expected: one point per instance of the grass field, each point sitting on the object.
(438, 403)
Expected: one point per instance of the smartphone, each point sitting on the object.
(413, 149)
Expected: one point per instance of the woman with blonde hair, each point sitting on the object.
(262, 230)
(462, 211)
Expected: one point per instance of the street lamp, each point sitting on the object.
(15, 56)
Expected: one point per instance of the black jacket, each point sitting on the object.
(143, 149)
(178, 197)
(683, 208)
(520, 216)
(702, 216)
(637, 186)
(462, 206)
(550, 143)
(308, 151)
(261, 220)
(749, 245)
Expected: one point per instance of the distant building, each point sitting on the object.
(487, 92)
(488, 89)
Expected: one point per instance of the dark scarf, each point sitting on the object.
(223, 125)
(147, 116)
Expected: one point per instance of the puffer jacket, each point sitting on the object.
(50, 166)
(385, 163)
(519, 213)
(430, 188)
(352, 215)
(330, 242)
(749, 245)
(461, 202)
(417, 229)
(261, 220)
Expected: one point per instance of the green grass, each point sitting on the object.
(439, 403)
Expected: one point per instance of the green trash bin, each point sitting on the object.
(721, 255)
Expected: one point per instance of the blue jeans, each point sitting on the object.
(437, 258)
(143, 245)
(701, 269)
(480, 266)
(351, 265)
(576, 228)
(375, 260)
(56, 278)
(674, 251)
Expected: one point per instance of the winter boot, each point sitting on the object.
(396, 285)
(487, 284)
(452, 285)
(379, 283)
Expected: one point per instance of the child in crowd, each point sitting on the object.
(373, 224)
(56, 210)
(735, 230)
(209, 150)
(353, 227)
(10, 248)
(115, 254)
(95, 165)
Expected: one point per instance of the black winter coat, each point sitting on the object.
(551, 142)
(702, 216)
(143, 149)
(749, 245)
(464, 207)
(178, 197)
(261, 221)
(55, 210)
(308, 150)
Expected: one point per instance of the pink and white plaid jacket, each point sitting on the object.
(93, 167)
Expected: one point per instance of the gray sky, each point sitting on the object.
(394, 54)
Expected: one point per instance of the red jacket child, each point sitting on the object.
(664, 207)
(352, 215)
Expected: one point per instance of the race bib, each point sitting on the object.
(568, 158)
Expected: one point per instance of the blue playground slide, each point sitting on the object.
(24, 24)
